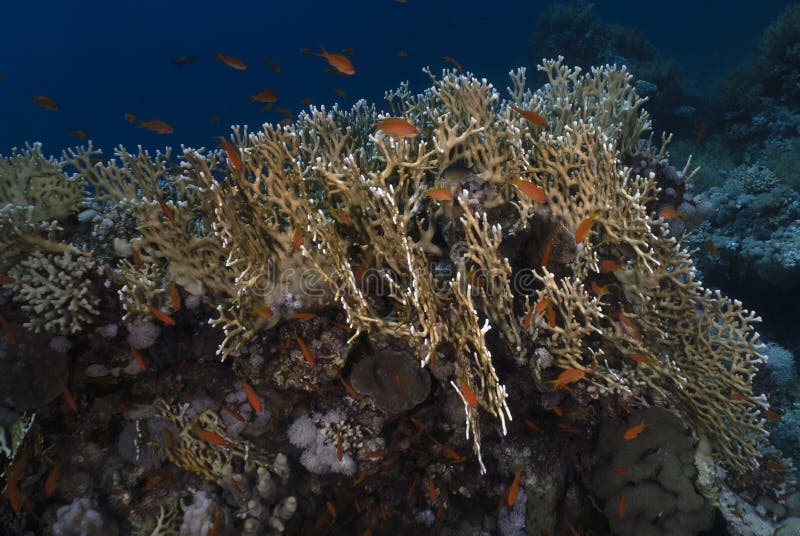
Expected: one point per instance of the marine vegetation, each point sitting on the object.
(444, 303)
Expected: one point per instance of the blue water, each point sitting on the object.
(99, 60)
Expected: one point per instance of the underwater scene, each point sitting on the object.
(400, 267)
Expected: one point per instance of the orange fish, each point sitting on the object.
(469, 394)
(431, 489)
(233, 413)
(263, 310)
(418, 423)
(712, 248)
(514, 489)
(304, 349)
(526, 321)
(624, 405)
(608, 265)
(339, 448)
(168, 435)
(297, 239)
(79, 134)
(14, 476)
(46, 103)
(10, 335)
(401, 54)
(450, 452)
(211, 437)
(164, 317)
(231, 61)
(349, 388)
(620, 469)
(736, 396)
(551, 314)
(165, 209)
(530, 190)
(215, 526)
(52, 480)
(440, 194)
(311, 387)
(266, 95)
(215, 120)
(233, 153)
(641, 358)
(331, 511)
(137, 259)
(340, 62)
(252, 397)
(769, 414)
(455, 62)
(621, 507)
(629, 326)
(634, 431)
(669, 213)
(157, 125)
(542, 305)
(342, 216)
(7, 280)
(598, 290)
(130, 118)
(530, 423)
(583, 229)
(397, 127)
(548, 251)
(274, 64)
(174, 296)
(138, 357)
(307, 101)
(568, 376)
(303, 316)
(68, 397)
(531, 116)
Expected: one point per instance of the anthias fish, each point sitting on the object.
(340, 62)
(398, 128)
(231, 61)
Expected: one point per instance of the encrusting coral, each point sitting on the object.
(505, 233)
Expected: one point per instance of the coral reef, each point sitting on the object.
(381, 299)
(753, 223)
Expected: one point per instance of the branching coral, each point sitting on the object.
(30, 180)
(56, 291)
(331, 193)
(34, 194)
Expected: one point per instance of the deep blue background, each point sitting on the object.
(98, 60)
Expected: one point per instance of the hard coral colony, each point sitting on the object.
(330, 253)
